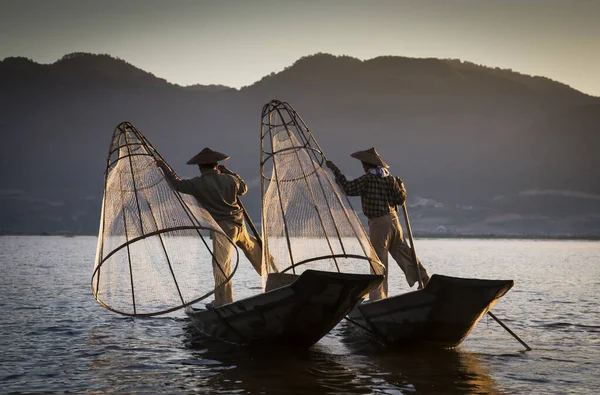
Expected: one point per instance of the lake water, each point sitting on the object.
(54, 337)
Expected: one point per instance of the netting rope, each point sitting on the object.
(152, 255)
(307, 221)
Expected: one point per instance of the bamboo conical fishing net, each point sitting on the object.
(307, 221)
(156, 246)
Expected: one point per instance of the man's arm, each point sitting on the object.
(350, 188)
(399, 192)
(242, 187)
(178, 184)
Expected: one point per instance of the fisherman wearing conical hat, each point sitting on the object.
(380, 193)
(217, 190)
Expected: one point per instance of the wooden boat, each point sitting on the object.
(297, 314)
(442, 314)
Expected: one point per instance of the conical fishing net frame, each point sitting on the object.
(307, 221)
(158, 249)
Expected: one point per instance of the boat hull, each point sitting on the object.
(441, 314)
(298, 314)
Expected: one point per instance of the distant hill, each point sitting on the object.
(209, 88)
(495, 151)
(77, 70)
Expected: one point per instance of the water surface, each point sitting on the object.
(54, 337)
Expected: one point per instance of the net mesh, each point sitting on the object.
(158, 250)
(307, 222)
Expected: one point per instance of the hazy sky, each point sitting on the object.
(236, 43)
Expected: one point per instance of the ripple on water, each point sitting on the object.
(55, 338)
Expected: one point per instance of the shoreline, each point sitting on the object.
(591, 237)
(514, 237)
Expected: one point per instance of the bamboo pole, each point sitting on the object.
(509, 331)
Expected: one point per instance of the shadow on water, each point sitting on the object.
(169, 356)
(334, 366)
(266, 370)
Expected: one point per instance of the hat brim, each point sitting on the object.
(207, 158)
(372, 159)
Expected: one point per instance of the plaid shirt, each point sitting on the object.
(378, 195)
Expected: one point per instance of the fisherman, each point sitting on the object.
(217, 190)
(380, 194)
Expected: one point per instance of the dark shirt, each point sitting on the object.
(378, 195)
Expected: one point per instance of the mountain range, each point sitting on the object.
(482, 151)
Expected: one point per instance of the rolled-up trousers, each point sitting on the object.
(386, 236)
(222, 253)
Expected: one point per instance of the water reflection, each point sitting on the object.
(421, 369)
(269, 371)
(168, 355)
(333, 367)
(434, 371)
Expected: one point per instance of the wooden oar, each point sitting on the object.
(414, 256)
(412, 244)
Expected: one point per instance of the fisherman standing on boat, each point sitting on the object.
(217, 189)
(380, 194)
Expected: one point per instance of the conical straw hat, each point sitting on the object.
(207, 156)
(370, 156)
